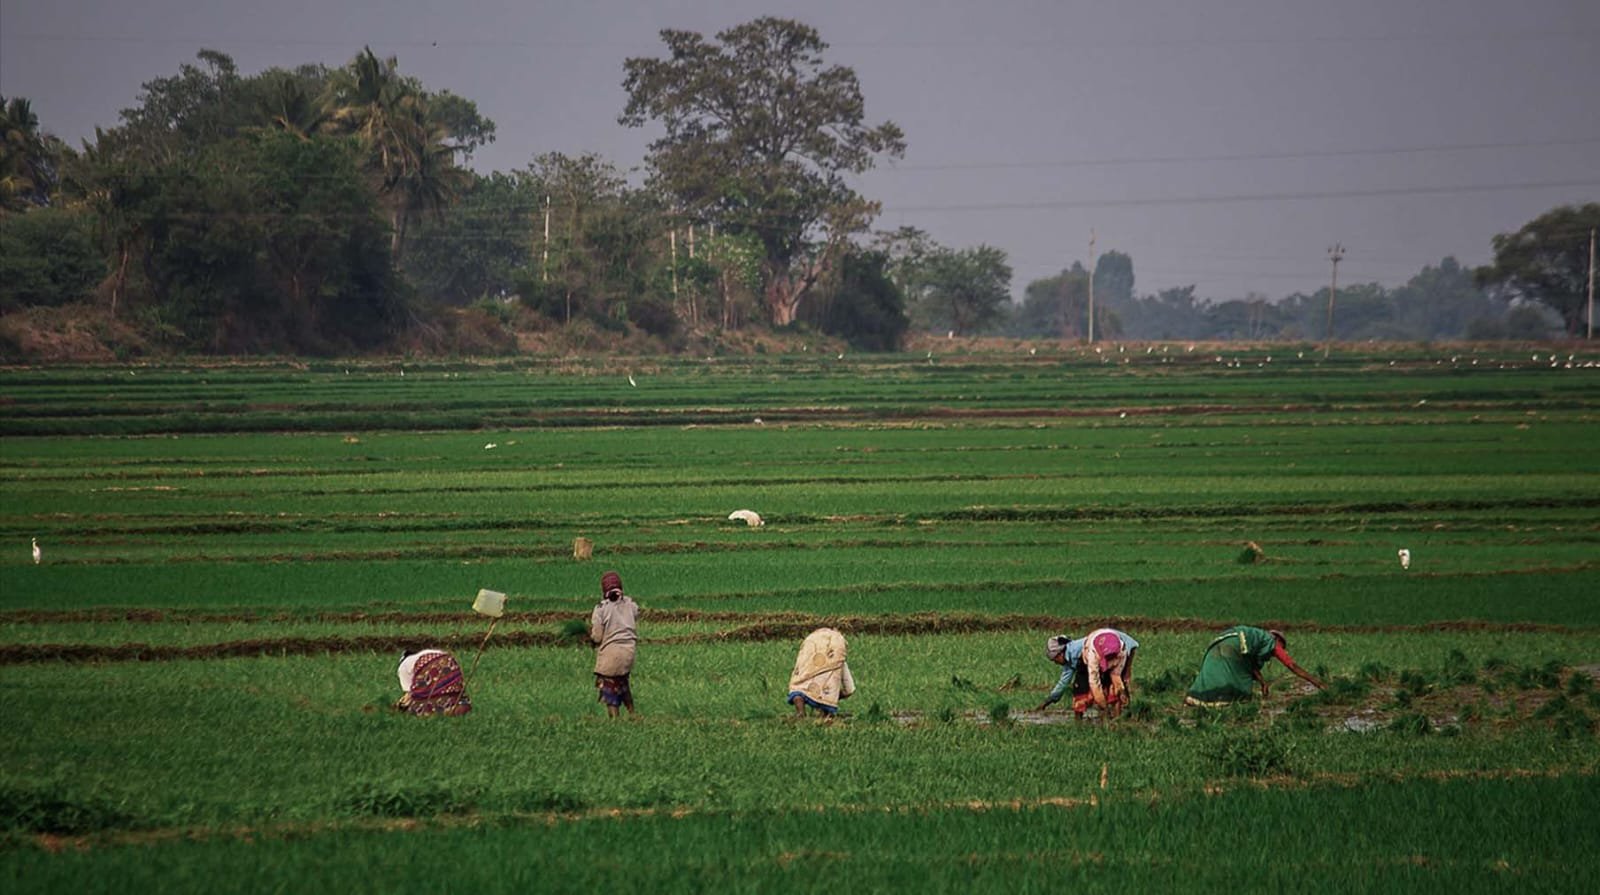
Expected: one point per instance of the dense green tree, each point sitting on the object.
(319, 245)
(1441, 303)
(1547, 261)
(759, 137)
(482, 244)
(1113, 279)
(601, 235)
(965, 291)
(864, 306)
(1055, 307)
(48, 256)
(1172, 313)
(183, 115)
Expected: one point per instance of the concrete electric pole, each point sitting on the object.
(1092, 265)
(1335, 253)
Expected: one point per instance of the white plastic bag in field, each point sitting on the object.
(490, 602)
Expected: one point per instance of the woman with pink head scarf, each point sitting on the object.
(1097, 669)
(1108, 657)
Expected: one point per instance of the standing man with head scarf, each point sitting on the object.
(613, 631)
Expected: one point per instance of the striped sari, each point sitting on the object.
(437, 688)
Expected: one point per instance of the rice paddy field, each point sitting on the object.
(198, 669)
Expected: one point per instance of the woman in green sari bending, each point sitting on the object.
(1234, 660)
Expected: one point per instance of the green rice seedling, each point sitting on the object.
(1458, 669)
(1375, 672)
(1169, 680)
(1410, 724)
(1342, 690)
(1247, 752)
(1242, 713)
(1415, 683)
(875, 714)
(1578, 684)
(1543, 677)
(56, 810)
(1567, 719)
(1000, 713)
(946, 714)
(538, 801)
(391, 800)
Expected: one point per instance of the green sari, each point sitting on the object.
(1227, 673)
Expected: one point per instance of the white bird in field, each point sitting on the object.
(490, 446)
(750, 517)
(631, 382)
(1405, 558)
(841, 355)
(38, 555)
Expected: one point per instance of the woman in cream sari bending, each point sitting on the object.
(821, 678)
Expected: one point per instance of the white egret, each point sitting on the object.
(38, 555)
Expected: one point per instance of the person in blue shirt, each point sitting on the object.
(1110, 652)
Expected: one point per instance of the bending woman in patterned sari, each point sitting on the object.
(432, 684)
(820, 677)
(1233, 662)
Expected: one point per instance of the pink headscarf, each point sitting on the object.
(1107, 645)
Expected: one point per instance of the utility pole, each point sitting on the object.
(672, 240)
(1335, 253)
(544, 259)
(1093, 263)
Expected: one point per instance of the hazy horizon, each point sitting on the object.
(1224, 145)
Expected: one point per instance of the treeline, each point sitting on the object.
(320, 210)
(1442, 302)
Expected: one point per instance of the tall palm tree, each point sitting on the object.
(427, 179)
(289, 101)
(28, 157)
(412, 156)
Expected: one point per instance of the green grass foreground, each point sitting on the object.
(196, 675)
(1415, 836)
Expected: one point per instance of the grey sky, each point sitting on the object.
(1405, 129)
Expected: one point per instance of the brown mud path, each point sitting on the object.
(748, 627)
